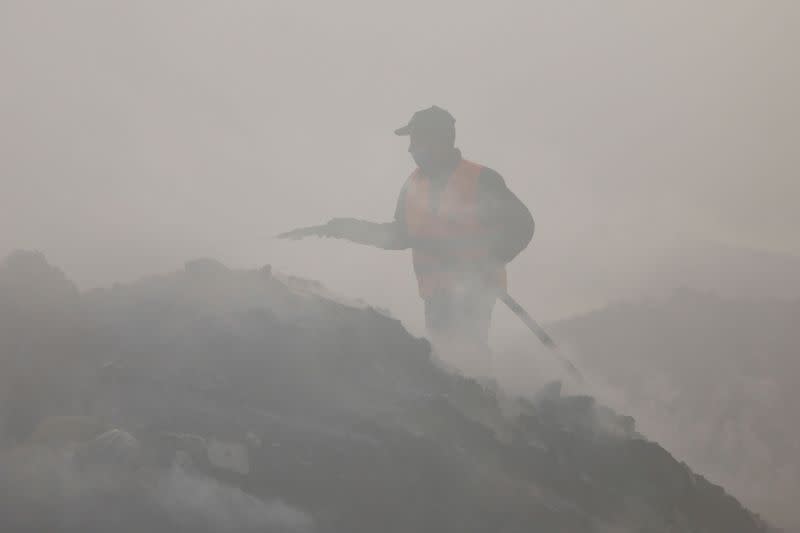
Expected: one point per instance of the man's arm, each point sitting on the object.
(509, 222)
(386, 235)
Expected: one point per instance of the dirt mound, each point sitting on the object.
(255, 389)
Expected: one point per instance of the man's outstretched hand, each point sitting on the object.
(351, 229)
(299, 233)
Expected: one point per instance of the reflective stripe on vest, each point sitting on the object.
(453, 217)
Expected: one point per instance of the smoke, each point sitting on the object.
(197, 502)
(711, 379)
(44, 489)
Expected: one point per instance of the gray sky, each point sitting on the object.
(136, 135)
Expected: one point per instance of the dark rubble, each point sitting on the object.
(290, 410)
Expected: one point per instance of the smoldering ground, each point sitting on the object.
(43, 489)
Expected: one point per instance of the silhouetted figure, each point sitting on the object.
(462, 224)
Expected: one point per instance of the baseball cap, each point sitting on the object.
(432, 119)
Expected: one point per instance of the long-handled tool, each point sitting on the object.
(528, 320)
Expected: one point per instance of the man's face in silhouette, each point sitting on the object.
(430, 148)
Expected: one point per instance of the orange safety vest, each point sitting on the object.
(455, 217)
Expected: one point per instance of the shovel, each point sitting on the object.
(528, 320)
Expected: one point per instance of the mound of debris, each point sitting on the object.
(218, 400)
(657, 359)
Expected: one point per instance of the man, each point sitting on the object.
(462, 224)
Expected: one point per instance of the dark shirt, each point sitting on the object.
(508, 221)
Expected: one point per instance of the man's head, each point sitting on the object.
(432, 137)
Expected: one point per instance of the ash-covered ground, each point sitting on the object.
(213, 399)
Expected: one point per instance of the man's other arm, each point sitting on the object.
(509, 222)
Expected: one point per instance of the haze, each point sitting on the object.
(136, 135)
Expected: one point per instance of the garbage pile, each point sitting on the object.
(212, 399)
